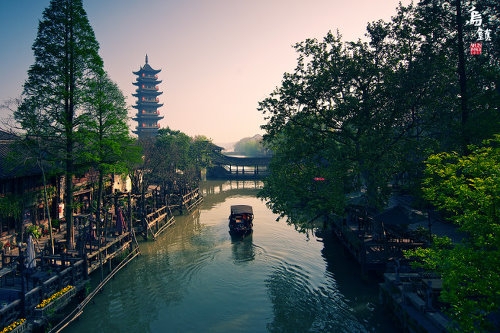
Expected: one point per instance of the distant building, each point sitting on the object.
(147, 105)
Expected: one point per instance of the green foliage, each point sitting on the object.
(66, 58)
(55, 223)
(335, 116)
(173, 156)
(291, 188)
(201, 152)
(384, 105)
(250, 146)
(365, 115)
(467, 189)
(106, 143)
(10, 206)
(34, 231)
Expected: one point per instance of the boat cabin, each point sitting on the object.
(241, 219)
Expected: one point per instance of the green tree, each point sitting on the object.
(175, 146)
(462, 99)
(10, 209)
(174, 158)
(250, 146)
(306, 179)
(467, 190)
(339, 107)
(201, 153)
(104, 134)
(383, 106)
(55, 93)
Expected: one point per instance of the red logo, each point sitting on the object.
(476, 48)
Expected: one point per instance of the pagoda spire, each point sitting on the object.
(146, 58)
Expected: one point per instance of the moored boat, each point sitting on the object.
(241, 219)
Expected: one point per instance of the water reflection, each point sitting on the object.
(242, 248)
(197, 278)
(361, 292)
(217, 192)
(298, 307)
(218, 187)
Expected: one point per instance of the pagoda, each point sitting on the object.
(147, 105)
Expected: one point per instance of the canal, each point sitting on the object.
(196, 278)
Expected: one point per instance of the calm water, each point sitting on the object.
(196, 278)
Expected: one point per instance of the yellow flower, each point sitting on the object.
(54, 296)
(13, 325)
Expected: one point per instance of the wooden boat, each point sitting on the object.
(241, 219)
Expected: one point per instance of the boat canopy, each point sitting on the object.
(241, 209)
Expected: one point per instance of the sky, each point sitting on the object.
(218, 58)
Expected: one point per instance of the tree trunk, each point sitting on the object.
(99, 199)
(68, 213)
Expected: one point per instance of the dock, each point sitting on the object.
(377, 243)
(373, 248)
(413, 299)
(112, 247)
(181, 203)
(157, 221)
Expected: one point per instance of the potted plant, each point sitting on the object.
(34, 231)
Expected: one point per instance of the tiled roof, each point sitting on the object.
(14, 163)
(7, 136)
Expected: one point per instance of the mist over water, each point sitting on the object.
(196, 278)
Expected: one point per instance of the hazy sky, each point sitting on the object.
(218, 58)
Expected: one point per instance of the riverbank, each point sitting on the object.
(37, 291)
(377, 244)
(32, 279)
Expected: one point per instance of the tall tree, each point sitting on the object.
(54, 96)
(106, 144)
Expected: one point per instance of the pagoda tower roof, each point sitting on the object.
(146, 105)
(139, 93)
(147, 69)
(150, 80)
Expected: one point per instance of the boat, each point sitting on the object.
(241, 219)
